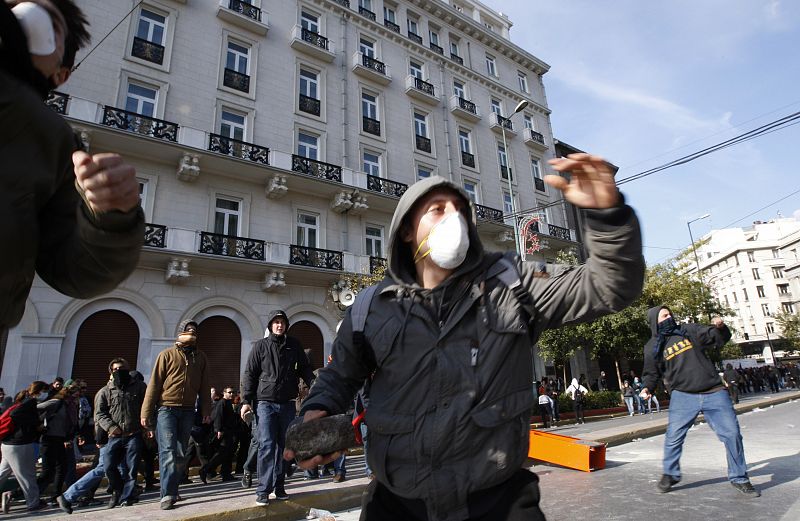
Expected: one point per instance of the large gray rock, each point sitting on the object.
(323, 436)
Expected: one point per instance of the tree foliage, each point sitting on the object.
(790, 327)
(730, 351)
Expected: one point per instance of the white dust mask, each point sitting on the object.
(448, 242)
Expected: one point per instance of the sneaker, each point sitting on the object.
(64, 505)
(247, 480)
(167, 503)
(228, 478)
(281, 494)
(666, 482)
(41, 505)
(262, 500)
(338, 478)
(747, 489)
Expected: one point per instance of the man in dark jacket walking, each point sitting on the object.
(225, 427)
(119, 408)
(678, 354)
(271, 377)
(448, 338)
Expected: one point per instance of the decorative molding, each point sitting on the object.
(274, 281)
(153, 313)
(189, 167)
(342, 201)
(276, 187)
(177, 271)
(359, 203)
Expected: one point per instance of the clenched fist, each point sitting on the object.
(108, 183)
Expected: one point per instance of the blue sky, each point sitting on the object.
(643, 83)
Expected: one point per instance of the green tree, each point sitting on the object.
(730, 351)
(790, 327)
(620, 336)
(560, 344)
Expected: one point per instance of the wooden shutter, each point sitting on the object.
(310, 337)
(219, 338)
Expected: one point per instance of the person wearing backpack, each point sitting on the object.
(577, 392)
(21, 431)
(448, 335)
(60, 416)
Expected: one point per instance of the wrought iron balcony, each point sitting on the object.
(235, 148)
(385, 186)
(558, 232)
(467, 105)
(315, 257)
(343, 3)
(366, 13)
(467, 159)
(309, 104)
(245, 8)
(456, 58)
(538, 183)
(314, 38)
(57, 101)
(415, 37)
(373, 64)
(424, 86)
(371, 126)
(147, 50)
(136, 123)
(376, 263)
(505, 122)
(155, 235)
(536, 136)
(318, 169)
(436, 48)
(392, 26)
(423, 143)
(485, 213)
(231, 246)
(505, 172)
(236, 80)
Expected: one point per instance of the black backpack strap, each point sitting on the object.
(506, 271)
(359, 312)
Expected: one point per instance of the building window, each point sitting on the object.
(756, 274)
(309, 92)
(536, 171)
(232, 124)
(237, 67)
(374, 240)
(726, 301)
(151, 33)
(776, 254)
(307, 145)
(788, 307)
(415, 69)
(472, 191)
(527, 122)
(458, 89)
(307, 229)
(433, 36)
(420, 124)
(491, 66)
(413, 28)
(744, 295)
(369, 111)
(777, 272)
(502, 159)
(372, 163)
(760, 291)
(464, 141)
(365, 4)
(783, 289)
(389, 15)
(227, 216)
(735, 300)
(309, 22)
(143, 193)
(770, 327)
(366, 47)
(751, 256)
(497, 108)
(523, 82)
(424, 172)
(508, 208)
(141, 99)
(454, 48)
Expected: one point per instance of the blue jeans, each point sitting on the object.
(119, 449)
(364, 431)
(719, 413)
(629, 404)
(273, 420)
(173, 427)
(86, 486)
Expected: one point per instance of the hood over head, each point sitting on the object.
(277, 313)
(652, 318)
(400, 255)
(574, 383)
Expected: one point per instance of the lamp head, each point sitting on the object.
(521, 106)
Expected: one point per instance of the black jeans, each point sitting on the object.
(223, 454)
(54, 463)
(514, 500)
(578, 407)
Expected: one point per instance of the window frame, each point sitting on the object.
(316, 227)
(522, 79)
(252, 63)
(380, 239)
(171, 16)
(317, 147)
(491, 66)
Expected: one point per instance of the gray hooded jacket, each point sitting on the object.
(450, 398)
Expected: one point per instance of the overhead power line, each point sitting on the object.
(106, 36)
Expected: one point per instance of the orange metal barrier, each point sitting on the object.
(567, 451)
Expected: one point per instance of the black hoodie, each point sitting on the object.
(684, 363)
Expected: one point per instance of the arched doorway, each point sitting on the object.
(310, 337)
(220, 339)
(103, 336)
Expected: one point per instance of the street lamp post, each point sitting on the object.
(519, 247)
(696, 260)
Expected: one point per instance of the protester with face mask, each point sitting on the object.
(60, 417)
(448, 338)
(679, 354)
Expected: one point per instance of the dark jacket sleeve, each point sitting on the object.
(218, 416)
(102, 414)
(305, 370)
(252, 372)
(708, 336)
(651, 371)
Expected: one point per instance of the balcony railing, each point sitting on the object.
(313, 38)
(392, 26)
(57, 101)
(309, 104)
(436, 48)
(385, 186)
(241, 149)
(376, 263)
(366, 13)
(539, 184)
(536, 136)
(231, 246)
(236, 80)
(485, 213)
(467, 105)
(467, 159)
(343, 3)
(415, 37)
(424, 86)
(371, 126)
(318, 169)
(138, 124)
(155, 235)
(147, 50)
(373, 64)
(505, 122)
(558, 232)
(245, 8)
(456, 58)
(315, 257)
(423, 143)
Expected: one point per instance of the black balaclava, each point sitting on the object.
(666, 328)
(121, 377)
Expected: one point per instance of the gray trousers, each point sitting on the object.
(21, 460)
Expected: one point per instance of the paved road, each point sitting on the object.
(626, 490)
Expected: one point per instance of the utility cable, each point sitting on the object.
(106, 36)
